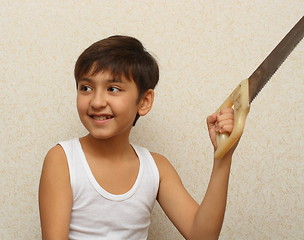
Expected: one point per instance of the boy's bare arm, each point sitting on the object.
(55, 196)
(210, 215)
(174, 199)
(195, 221)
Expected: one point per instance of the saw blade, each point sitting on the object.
(274, 60)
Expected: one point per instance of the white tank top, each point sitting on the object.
(98, 214)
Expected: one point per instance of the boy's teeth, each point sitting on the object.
(100, 118)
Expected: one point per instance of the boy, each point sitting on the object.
(102, 187)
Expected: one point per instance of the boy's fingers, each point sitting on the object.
(222, 121)
(212, 119)
(225, 114)
(225, 117)
(225, 122)
(226, 129)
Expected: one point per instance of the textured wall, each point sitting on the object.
(204, 48)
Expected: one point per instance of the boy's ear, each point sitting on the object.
(146, 102)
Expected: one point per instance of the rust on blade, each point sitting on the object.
(274, 60)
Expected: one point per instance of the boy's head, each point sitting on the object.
(122, 56)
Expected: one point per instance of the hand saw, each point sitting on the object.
(241, 98)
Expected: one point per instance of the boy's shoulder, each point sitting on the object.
(55, 158)
(159, 158)
(58, 154)
(163, 164)
(55, 151)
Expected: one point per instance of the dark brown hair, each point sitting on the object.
(121, 55)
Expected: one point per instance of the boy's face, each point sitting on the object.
(106, 106)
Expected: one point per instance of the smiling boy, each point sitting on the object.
(101, 186)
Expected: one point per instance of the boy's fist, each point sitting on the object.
(221, 122)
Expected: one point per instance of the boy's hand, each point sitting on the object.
(221, 122)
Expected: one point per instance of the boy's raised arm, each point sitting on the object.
(195, 221)
(55, 196)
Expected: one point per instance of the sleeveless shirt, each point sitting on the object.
(98, 214)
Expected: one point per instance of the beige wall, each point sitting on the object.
(204, 48)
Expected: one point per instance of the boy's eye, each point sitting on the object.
(113, 89)
(85, 88)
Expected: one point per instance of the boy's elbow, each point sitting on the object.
(204, 237)
(204, 233)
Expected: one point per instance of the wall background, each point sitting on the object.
(204, 48)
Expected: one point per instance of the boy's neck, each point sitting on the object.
(109, 148)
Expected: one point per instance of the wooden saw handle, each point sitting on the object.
(239, 100)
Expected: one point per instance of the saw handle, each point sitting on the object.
(239, 100)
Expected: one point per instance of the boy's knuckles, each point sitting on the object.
(225, 122)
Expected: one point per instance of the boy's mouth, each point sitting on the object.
(101, 118)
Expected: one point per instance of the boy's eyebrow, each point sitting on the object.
(115, 80)
(110, 80)
(84, 79)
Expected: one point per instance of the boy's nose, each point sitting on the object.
(99, 100)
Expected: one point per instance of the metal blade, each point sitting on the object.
(273, 61)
